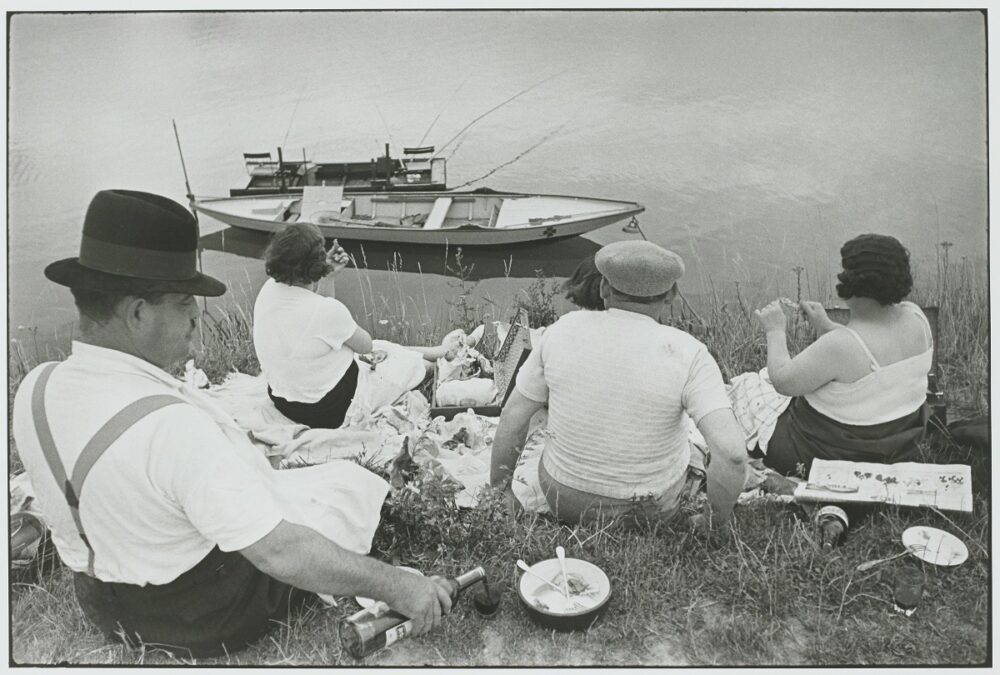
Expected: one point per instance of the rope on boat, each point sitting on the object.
(632, 228)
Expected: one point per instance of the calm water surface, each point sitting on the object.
(758, 141)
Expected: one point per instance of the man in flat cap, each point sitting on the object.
(157, 502)
(617, 384)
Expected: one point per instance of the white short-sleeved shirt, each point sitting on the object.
(299, 338)
(167, 491)
(617, 384)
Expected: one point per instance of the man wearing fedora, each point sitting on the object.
(617, 384)
(154, 500)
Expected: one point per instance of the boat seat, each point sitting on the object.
(276, 210)
(438, 212)
(317, 198)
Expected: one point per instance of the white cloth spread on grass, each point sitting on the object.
(299, 339)
(618, 385)
(178, 482)
(458, 449)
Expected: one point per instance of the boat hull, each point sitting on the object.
(466, 235)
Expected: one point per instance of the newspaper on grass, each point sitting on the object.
(944, 486)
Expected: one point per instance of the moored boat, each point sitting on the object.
(478, 218)
(418, 170)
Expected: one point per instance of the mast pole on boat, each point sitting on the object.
(281, 171)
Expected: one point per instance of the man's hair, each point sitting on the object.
(639, 299)
(99, 306)
(297, 255)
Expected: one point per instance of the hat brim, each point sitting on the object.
(69, 272)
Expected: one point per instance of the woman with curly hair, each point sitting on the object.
(859, 391)
(309, 345)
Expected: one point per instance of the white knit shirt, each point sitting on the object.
(617, 384)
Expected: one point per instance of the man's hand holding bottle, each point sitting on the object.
(423, 599)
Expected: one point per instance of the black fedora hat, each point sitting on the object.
(136, 242)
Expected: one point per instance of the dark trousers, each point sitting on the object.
(328, 412)
(218, 607)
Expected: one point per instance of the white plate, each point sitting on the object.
(366, 603)
(935, 546)
(545, 599)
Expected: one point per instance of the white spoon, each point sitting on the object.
(561, 554)
(524, 567)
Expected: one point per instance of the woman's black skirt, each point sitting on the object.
(329, 411)
(802, 434)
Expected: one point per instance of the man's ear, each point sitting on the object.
(605, 290)
(671, 294)
(132, 310)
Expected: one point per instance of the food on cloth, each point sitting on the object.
(376, 357)
(472, 392)
(464, 375)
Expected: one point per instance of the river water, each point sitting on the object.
(758, 140)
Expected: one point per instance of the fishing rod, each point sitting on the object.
(295, 110)
(450, 99)
(384, 124)
(190, 196)
(493, 109)
(508, 163)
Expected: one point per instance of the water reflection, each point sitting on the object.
(555, 258)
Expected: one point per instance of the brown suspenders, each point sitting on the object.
(71, 487)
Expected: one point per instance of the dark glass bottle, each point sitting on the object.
(936, 402)
(371, 629)
(832, 522)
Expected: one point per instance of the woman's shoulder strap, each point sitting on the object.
(916, 309)
(857, 336)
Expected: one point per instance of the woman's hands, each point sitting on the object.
(817, 316)
(337, 257)
(772, 317)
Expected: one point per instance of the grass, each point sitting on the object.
(763, 596)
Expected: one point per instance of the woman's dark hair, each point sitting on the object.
(297, 255)
(875, 266)
(583, 289)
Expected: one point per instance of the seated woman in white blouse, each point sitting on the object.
(307, 342)
(859, 391)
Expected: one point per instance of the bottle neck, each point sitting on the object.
(469, 578)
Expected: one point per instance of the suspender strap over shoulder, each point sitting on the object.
(102, 440)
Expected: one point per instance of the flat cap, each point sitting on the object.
(639, 268)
